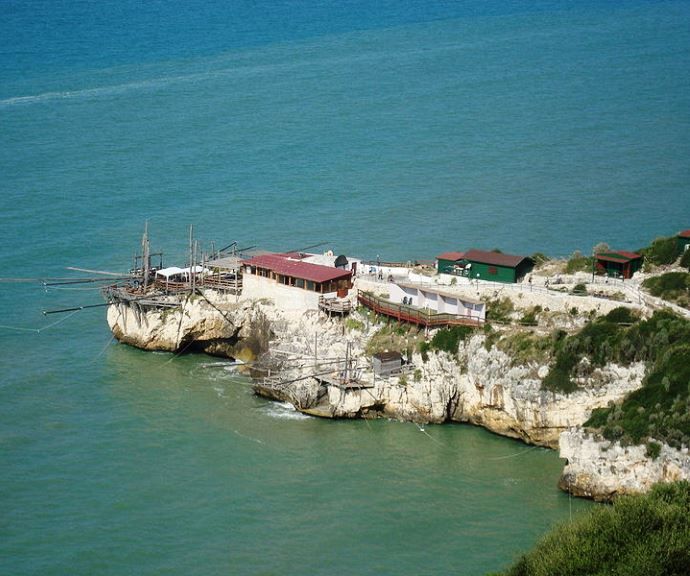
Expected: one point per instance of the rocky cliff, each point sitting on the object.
(599, 469)
(208, 322)
(481, 387)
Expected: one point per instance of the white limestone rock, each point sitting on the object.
(599, 469)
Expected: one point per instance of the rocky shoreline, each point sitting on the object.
(481, 385)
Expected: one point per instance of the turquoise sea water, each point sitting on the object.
(398, 130)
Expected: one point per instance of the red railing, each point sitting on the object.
(412, 315)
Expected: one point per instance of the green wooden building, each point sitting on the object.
(482, 265)
(618, 264)
(683, 239)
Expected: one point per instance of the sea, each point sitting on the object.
(388, 129)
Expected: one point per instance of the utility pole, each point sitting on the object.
(145, 254)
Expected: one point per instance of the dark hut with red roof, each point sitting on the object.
(618, 263)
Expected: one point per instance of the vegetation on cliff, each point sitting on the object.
(662, 251)
(645, 535)
(672, 286)
(447, 340)
(659, 410)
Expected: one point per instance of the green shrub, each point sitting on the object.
(580, 289)
(538, 258)
(622, 315)
(669, 282)
(354, 324)
(448, 339)
(642, 535)
(525, 348)
(393, 338)
(619, 337)
(660, 409)
(672, 286)
(662, 251)
(499, 309)
(578, 263)
(424, 348)
(531, 315)
(653, 450)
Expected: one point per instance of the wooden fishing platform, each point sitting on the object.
(335, 380)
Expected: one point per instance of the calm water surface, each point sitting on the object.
(398, 130)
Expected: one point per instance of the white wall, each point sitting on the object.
(285, 297)
(437, 302)
(397, 293)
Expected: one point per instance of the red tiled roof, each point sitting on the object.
(451, 256)
(494, 258)
(618, 256)
(281, 264)
(684, 234)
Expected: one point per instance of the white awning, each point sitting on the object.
(186, 272)
(168, 272)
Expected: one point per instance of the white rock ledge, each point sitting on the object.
(599, 469)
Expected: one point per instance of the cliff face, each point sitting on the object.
(213, 324)
(601, 469)
(483, 388)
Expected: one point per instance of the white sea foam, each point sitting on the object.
(104, 91)
(284, 411)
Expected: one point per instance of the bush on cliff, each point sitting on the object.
(662, 251)
(659, 410)
(643, 535)
(394, 338)
(673, 286)
(525, 347)
(499, 310)
(578, 263)
(618, 337)
(448, 339)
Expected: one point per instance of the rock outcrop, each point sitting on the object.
(599, 469)
(210, 323)
(480, 387)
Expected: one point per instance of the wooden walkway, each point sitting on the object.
(335, 305)
(404, 313)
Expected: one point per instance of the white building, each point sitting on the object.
(440, 301)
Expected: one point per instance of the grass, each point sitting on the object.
(526, 348)
(354, 324)
(394, 338)
(642, 535)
